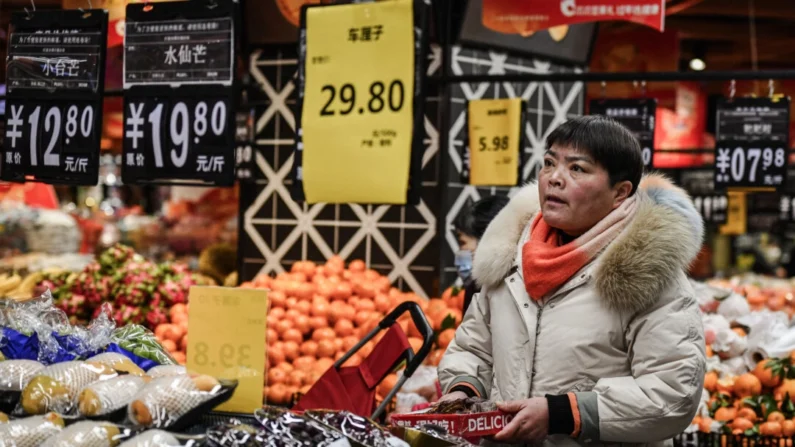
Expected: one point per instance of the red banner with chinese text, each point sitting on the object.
(528, 17)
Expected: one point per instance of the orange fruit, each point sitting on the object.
(726, 385)
(286, 367)
(291, 314)
(788, 428)
(275, 355)
(272, 336)
(711, 381)
(740, 331)
(293, 335)
(786, 387)
(455, 313)
(326, 348)
(291, 350)
(416, 344)
(747, 413)
(302, 324)
(319, 309)
(709, 351)
(309, 348)
(283, 325)
(349, 342)
(362, 317)
(725, 414)
(435, 357)
(303, 307)
(318, 322)
(169, 346)
(357, 265)
(277, 312)
(363, 305)
(741, 424)
(276, 375)
(304, 363)
(770, 429)
(296, 378)
(337, 345)
(765, 374)
(343, 328)
(775, 416)
(347, 312)
(366, 349)
(382, 303)
(355, 360)
(277, 394)
(324, 333)
(704, 425)
(747, 385)
(342, 291)
(290, 302)
(445, 338)
(323, 364)
(387, 384)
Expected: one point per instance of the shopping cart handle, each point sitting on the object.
(423, 326)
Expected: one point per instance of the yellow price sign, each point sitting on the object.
(736, 215)
(358, 102)
(495, 133)
(227, 328)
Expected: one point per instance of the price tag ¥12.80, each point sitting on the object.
(53, 118)
(495, 141)
(752, 140)
(179, 102)
(358, 93)
(228, 331)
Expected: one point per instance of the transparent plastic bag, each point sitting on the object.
(118, 362)
(422, 382)
(142, 342)
(56, 387)
(288, 429)
(88, 434)
(152, 438)
(361, 430)
(31, 431)
(162, 402)
(166, 371)
(15, 374)
(107, 396)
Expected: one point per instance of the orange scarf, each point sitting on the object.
(547, 264)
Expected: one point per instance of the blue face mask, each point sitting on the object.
(463, 263)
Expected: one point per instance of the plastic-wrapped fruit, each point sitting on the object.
(109, 395)
(30, 432)
(15, 374)
(86, 434)
(55, 388)
(166, 371)
(119, 362)
(152, 438)
(163, 401)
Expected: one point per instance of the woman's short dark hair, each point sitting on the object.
(610, 144)
(474, 219)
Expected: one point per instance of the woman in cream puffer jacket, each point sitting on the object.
(623, 336)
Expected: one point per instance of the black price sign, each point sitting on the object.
(712, 208)
(179, 103)
(53, 119)
(638, 115)
(786, 207)
(752, 140)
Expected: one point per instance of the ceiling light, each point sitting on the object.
(697, 64)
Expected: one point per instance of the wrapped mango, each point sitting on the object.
(15, 374)
(56, 387)
(119, 362)
(164, 401)
(30, 432)
(166, 371)
(107, 396)
(152, 438)
(86, 434)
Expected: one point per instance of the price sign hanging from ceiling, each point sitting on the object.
(179, 100)
(55, 78)
(360, 73)
(495, 141)
(752, 140)
(638, 115)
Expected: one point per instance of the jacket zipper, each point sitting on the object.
(535, 349)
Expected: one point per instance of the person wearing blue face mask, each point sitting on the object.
(469, 227)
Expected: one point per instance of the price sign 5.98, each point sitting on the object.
(182, 139)
(751, 166)
(495, 135)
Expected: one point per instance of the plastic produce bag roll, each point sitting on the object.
(56, 387)
(87, 434)
(30, 432)
(107, 396)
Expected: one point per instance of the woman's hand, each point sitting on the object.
(530, 424)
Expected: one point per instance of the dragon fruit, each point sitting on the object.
(156, 317)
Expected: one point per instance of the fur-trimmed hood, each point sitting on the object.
(663, 239)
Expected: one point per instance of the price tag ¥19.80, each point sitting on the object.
(495, 141)
(179, 101)
(55, 78)
(357, 111)
(227, 329)
(752, 140)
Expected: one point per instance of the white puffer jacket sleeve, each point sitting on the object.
(660, 398)
(468, 360)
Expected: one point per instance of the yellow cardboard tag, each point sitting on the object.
(358, 102)
(494, 141)
(736, 215)
(227, 330)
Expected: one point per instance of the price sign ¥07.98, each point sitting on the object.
(638, 115)
(495, 141)
(752, 140)
(179, 108)
(357, 118)
(228, 331)
(55, 72)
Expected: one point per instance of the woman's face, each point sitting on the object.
(575, 191)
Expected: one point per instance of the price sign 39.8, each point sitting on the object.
(51, 137)
(752, 166)
(177, 138)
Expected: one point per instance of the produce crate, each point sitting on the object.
(723, 440)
